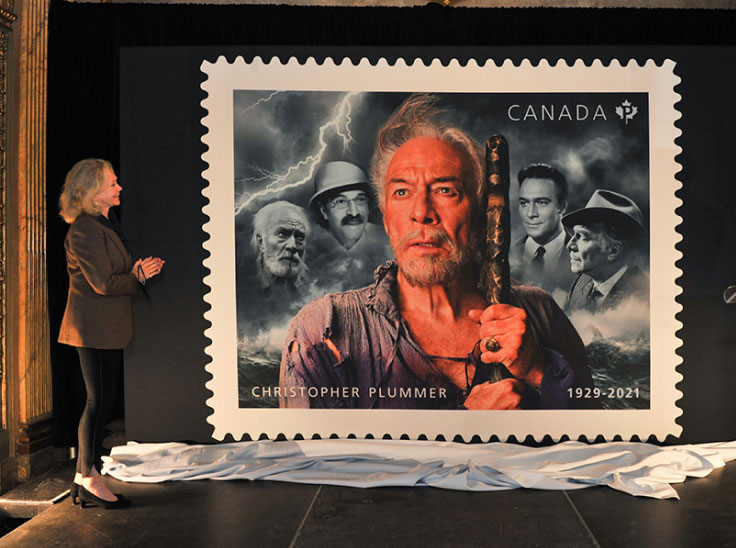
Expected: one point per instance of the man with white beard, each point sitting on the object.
(280, 231)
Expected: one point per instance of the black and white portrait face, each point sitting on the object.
(540, 209)
(588, 251)
(281, 244)
(347, 214)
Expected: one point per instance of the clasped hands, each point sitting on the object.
(517, 349)
(147, 268)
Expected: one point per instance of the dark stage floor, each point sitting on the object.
(242, 513)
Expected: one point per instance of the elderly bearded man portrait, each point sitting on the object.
(411, 339)
(280, 231)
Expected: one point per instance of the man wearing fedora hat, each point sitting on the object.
(606, 233)
(342, 203)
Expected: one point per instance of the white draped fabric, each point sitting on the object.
(636, 468)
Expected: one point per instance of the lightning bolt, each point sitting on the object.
(264, 174)
(261, 100)
(304, 169)
(347, 137)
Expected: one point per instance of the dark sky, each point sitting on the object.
(282, 138)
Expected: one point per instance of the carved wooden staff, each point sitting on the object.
(495, 276)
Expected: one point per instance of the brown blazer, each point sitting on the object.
(98, 311)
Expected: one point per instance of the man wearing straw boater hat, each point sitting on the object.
(606, 235)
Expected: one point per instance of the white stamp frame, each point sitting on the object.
(658, 81)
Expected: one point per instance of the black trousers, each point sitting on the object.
(100, 369)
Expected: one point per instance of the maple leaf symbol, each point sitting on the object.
(626, 111)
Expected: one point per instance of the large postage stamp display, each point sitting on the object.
(295, 214)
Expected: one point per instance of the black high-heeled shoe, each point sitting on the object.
(74, 493)
(87, 497)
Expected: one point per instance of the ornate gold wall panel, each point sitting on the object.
(7, 17)
(34, 377)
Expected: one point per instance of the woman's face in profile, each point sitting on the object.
(109, 195)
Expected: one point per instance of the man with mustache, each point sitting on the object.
(341, 204)
(280, 231)
(422, 335)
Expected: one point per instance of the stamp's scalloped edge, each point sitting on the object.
(678, 176)
(311, 61)
(672, 410)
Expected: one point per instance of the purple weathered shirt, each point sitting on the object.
(382, 367)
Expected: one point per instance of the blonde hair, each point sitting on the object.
(84, 180)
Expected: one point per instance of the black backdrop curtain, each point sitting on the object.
(83, 62)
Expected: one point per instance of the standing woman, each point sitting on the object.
(98, 319)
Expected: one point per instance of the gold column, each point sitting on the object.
(28, 363)
(35, 380)
(8, 469)
(7, 17)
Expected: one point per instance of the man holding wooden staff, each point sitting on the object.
(422, 335)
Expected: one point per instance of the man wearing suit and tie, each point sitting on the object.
(540, 258)
(606, 235)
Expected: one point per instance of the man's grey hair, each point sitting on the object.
(419, 116)
(262, 215)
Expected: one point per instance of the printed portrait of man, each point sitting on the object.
(606, 235)
(280, 231)
(540, 257)
(422, 335)
(342, 203)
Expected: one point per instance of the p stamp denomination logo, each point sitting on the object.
(626, 111)
(413, 249)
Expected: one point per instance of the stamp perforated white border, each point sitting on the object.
(657, 81)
